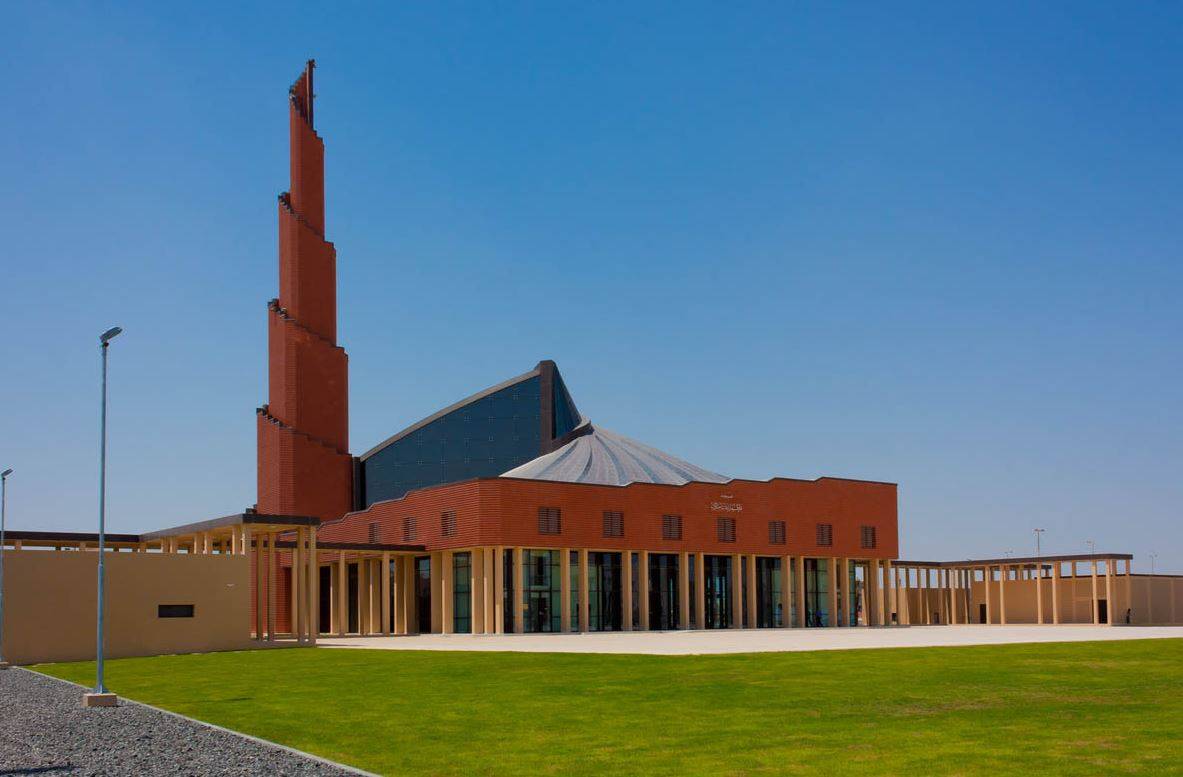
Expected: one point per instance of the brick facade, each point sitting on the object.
(504, 511)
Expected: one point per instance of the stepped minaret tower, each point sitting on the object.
(303, 431)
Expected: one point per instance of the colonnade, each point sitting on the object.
(946, 593)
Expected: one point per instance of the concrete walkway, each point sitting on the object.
(675, 643)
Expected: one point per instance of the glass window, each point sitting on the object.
(605, 581)
(542, 590)
(508, 600)
(817, 590)
(462, 593)
(664, 604)
(574, 585)
(717, 582)
(769, 605)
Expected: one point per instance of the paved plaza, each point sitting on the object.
(677, 643)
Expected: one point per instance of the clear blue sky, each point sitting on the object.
(929, 245)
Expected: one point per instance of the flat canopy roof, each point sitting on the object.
(67, 537)
(1032, 560)
(276, 522)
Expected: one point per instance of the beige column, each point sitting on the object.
(476, 587)
(683, 590)
(1039, 592)
(1056, 592)
(893, 592)
(951, 582)
(565, 590)
(398, 619)
(584, 604)
(314, 585)
(272, 571)
(363, 595)
(437, 592)
(447, 593)
(987, 584)
(880, 616)
(1128, 599)
(832, 571)
(1096, 603)
(294, 588)
(626, 595)
(518, 598)
(1110, 589)
(260, 584)
(300, 576)
(700, 590)
(499, 590)
(736, 591)
(410, 589)
(384, 599)
(799, 571)
(643, 590)
(341, 598)
(752, 599)
(1003, 573)
(490, 590)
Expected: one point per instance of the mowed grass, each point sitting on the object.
(1072, 708)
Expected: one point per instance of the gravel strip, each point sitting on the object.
(45, 730)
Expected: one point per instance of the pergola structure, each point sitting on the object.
(952, 582)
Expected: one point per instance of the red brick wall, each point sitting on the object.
(497, 511)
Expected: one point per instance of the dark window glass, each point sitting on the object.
(542, 589)
(565, 416)
(817, 590)
(717, 582)
(448, 524)
(664, 605)
(550, 520)
(671, 527)
(776, 532)
(483, 439)
(174, 611)
(613, 524)
(351, 623)
(769, 584)
(574, 585)
(825, 535)
(508, 599)
(868, 537)
(423, 593)
(462, 593)
(604, 582)
(725, 528)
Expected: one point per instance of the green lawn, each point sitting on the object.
(1073, 708)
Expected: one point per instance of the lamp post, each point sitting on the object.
(1038, 534)
(3, 505)
(1092, 547)
(100, 697)
(1153, 556)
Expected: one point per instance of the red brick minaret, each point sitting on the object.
(303, 432)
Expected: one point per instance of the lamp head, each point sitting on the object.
(110, 334)
(6, 473)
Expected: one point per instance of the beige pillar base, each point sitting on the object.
(100, 700)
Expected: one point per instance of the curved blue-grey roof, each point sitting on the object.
(606, 458)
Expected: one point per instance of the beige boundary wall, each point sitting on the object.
(50, 604)
(1156, 600)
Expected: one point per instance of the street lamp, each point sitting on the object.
(1038, 534)
(1153, 556)
(3, 500)
(1092, 547)
(100, 697)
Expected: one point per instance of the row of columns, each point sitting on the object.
(953, 591)
(388, 578)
